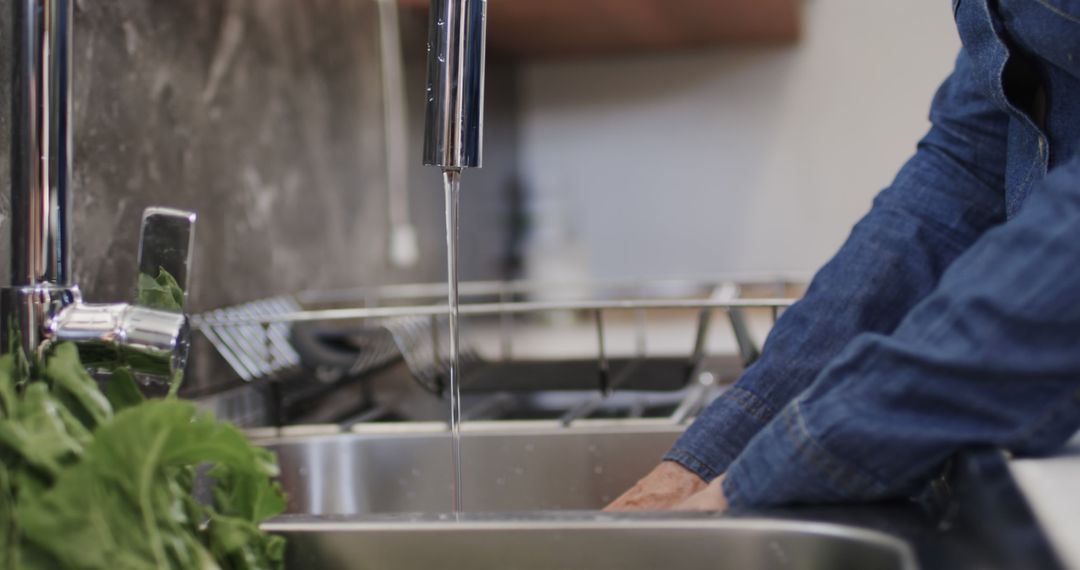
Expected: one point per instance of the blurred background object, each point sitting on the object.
(630, 139)
(732, 159)
(267, 118)
(572, 28)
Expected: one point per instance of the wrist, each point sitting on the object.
(687, 478)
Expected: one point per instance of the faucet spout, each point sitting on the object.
(455, 93)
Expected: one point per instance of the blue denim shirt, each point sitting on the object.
(951, 316)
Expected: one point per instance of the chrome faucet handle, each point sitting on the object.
(156, 330)
(164, 263)
(152, 335)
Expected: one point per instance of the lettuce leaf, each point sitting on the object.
(83, 486)
(161, 292)
(122, 391)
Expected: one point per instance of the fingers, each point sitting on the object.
(662, 489)
(710, 499)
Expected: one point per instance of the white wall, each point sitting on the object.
(734, 160)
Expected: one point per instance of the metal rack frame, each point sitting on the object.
(253, 337)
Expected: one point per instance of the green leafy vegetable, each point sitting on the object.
(161, 292)
(122, 392)
(102, 481)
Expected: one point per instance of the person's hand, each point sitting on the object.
(709, 499)
(666, 486)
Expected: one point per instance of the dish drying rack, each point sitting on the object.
(407, 322)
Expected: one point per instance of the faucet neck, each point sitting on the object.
(41, 144)
(454, 119)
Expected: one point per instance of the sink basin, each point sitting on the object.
(594, 543)
(506, 466)
(531, 491)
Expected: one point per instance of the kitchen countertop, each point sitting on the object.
(976, 518)
(1050, 486)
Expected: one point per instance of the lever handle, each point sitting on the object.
(153, 343)
(165, 245)
(152, 336)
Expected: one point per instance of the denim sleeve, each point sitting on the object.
(990, 358)
(942, 200)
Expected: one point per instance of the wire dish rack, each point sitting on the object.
(611, 338)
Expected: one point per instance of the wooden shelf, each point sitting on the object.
(562, 28)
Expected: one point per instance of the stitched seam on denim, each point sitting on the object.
(850, 480)
(996, 79)
(691, 462)
(1026, 184)
(1058, 11)
(995, 76)
(728, 450)
(756, 407)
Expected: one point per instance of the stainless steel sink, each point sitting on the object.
(531, 491)
(595, 543)
(506, 466)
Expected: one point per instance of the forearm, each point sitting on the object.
(989, 358)
(941, 202)
(892, 260)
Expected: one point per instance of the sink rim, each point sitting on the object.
(271, 437)
(583, 521)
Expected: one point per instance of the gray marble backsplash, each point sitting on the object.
(265, 117)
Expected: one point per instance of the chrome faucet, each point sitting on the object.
(43, 305)
(454, 128)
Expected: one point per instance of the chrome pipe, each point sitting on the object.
(43, 305)
(41, 143)
(453, 136)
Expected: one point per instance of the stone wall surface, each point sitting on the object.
(266, 118)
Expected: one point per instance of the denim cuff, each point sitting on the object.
(720, 433)
(784, 464)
